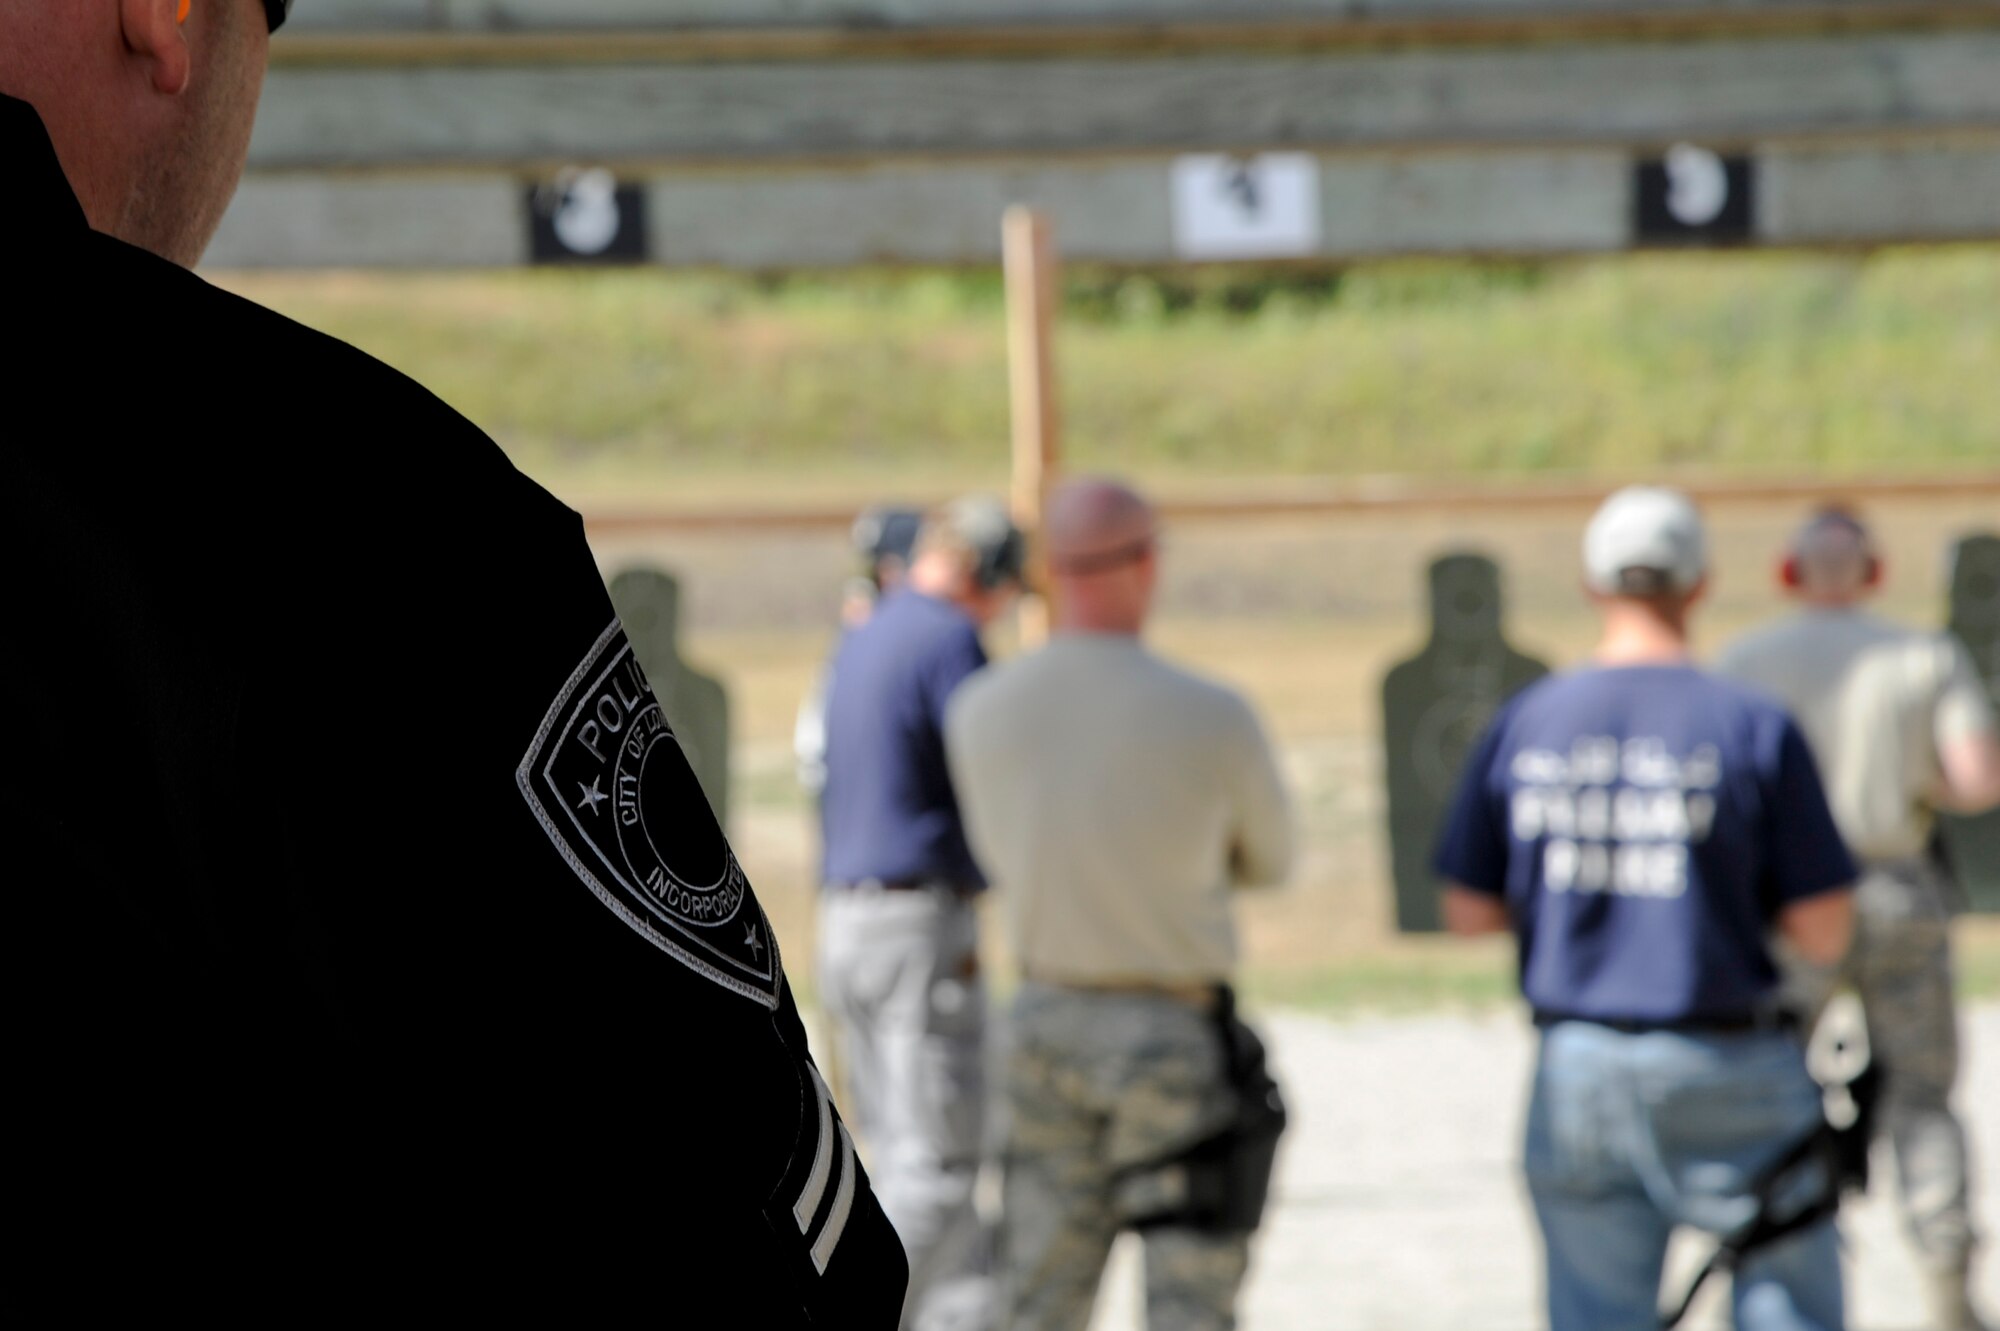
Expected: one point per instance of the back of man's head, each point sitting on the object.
(1831, 559)
(1645, 564)
(149, 106)
(884, 538)
(1101, 536)
(970, 552)
(1646, 543)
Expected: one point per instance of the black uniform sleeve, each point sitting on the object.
(658, 984)
(533, 928)
(372, 928)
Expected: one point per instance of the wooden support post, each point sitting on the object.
(1028, 246)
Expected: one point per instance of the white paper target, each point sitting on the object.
(1264, 206)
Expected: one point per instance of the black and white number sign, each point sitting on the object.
(586, 217)
(1264, 206)
(1693, 196)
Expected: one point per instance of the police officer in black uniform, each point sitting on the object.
(364, 920)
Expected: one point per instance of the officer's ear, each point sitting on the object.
(153, 33)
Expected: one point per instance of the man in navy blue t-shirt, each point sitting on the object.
(1644, 828)
(899, 965)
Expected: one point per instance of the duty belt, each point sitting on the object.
(1740, 1023)
(1195, 993)
(904, 885)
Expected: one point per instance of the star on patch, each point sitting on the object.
(592, 796)
(751, 941)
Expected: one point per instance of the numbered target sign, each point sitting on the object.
(1691, 195)
(586, 216)
(1264, 206)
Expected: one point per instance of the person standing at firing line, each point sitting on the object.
(899, 970)
(1902, 727)
(883, 538)
(371, 937)
(1643, 827)
(1118, 800)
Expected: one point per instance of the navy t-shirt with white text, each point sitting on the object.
(1645, 825)
(888, 810)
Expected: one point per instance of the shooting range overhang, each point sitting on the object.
(1300, 207)
(1528, 127)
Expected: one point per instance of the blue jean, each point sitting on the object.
(1630, 1135)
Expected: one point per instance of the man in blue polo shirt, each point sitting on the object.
(1644, 828)
(899, 943)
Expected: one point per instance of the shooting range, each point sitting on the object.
(1377, 301)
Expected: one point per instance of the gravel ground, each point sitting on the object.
(1399, 1205)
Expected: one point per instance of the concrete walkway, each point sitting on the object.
(1400, 1207)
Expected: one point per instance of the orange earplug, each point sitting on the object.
(182, 16)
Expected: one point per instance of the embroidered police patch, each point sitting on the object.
(610, 785)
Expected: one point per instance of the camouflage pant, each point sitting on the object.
(1900, 967)
(1096, 1082)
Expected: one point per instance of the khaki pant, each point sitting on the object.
(1097, 1081)
(1900, 967)
(899, 980)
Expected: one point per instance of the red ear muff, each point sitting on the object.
(1788, 574)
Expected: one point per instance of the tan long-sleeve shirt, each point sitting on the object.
(1114, 800)
(1878, 703)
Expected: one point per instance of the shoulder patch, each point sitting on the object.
(608, 782)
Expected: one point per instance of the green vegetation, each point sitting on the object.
(1718, 362)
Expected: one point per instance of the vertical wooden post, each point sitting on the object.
(1028, 247)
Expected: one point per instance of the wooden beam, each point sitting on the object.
(1619, 94)
(1101, 38)
(327, 221)
(1844, 194)
(1310, 497)
(1035, 407)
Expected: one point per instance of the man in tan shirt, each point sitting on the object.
(1901, 727)
(1115, 801)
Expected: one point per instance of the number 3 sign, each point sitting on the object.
(1691, 195)
(586, 217)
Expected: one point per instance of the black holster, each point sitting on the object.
(1838, 1152)
(1223, 1181)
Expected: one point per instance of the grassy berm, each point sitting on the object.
(600, 381)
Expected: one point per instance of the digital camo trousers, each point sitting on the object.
(1097, 1082)
(1900, 967)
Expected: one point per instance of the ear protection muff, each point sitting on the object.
(1002, 562)
(999, 550)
